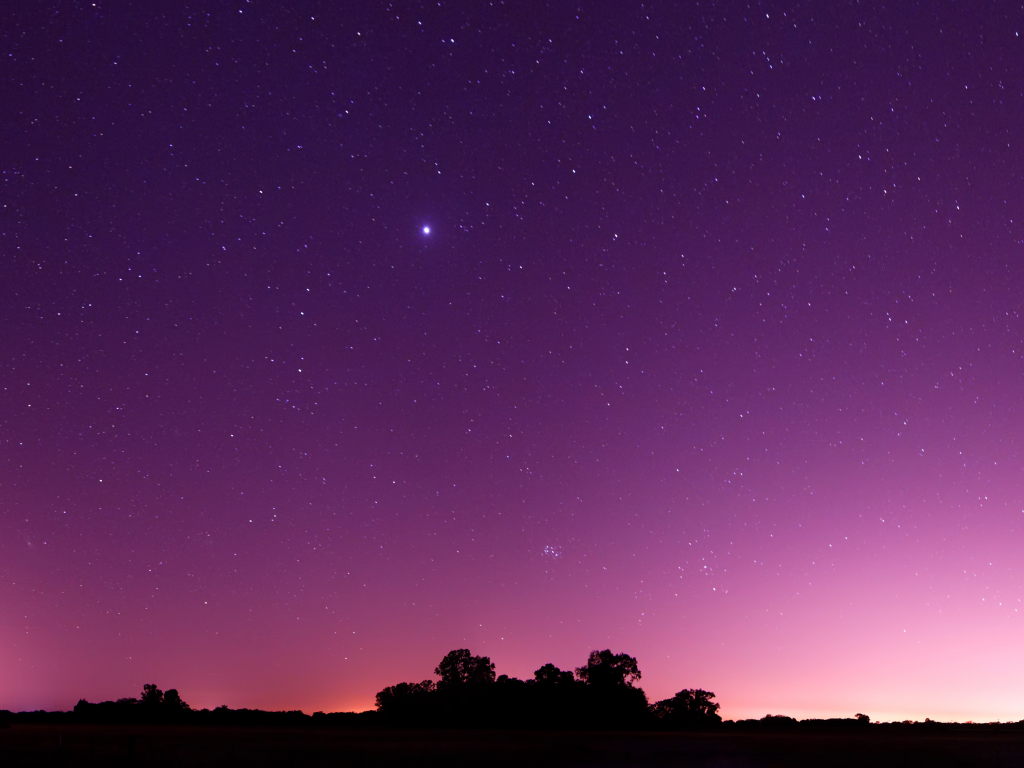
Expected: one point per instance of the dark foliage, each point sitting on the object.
(605, 669)
(406, 702)
(832, 724)
(154, 706)
(460, 668)
(779, 721)
(600, 695)
(690, 709)
(152, 697)
(549, 674)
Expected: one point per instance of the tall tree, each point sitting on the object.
(173, 702)
(151, 696)
(460, 667)
(690, 708)
(606, 669)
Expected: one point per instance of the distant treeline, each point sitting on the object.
(155, 707)
(602, 694)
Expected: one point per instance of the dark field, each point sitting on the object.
(83, 745)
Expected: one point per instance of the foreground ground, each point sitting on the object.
(79, 745)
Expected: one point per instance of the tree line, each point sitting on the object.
(154, 706)
(601, 694)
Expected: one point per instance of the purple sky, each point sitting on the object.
(334, 338)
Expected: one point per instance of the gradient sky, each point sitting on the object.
(337, 336)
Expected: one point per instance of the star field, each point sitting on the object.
(334, 338)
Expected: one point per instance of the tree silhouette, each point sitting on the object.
(599, 695)
(549, 674)
(461, 668)
(405, 701)
(173, 702)
(608, 697)
(690, 708)
(173, 709)
(151, 696)
(607, 669)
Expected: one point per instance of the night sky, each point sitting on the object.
(335, 336)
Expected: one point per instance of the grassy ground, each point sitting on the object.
(78, 745)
